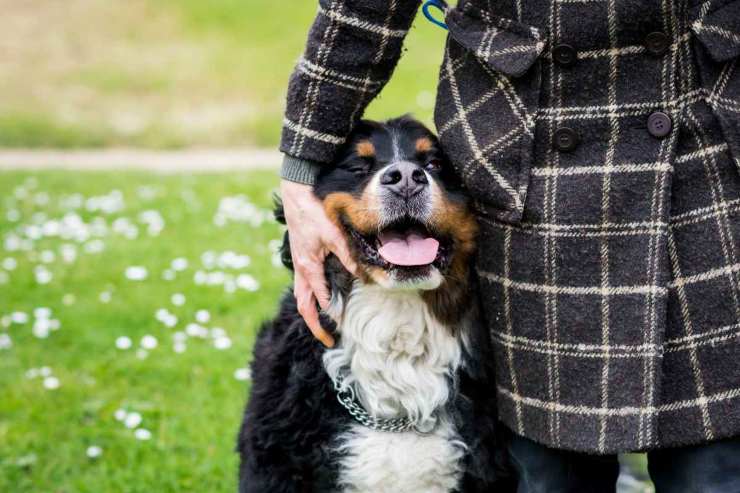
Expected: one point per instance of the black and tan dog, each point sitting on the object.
(403, 402)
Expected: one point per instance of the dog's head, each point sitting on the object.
(395, 196)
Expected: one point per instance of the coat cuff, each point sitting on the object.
(299, 170)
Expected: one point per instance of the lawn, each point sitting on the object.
(128, 306)
(155, 259)
(171, 73)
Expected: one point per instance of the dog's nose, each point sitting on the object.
(404, 179)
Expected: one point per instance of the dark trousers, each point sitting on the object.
(713, 468)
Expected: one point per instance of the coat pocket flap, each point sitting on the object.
(505, 45)
(716, 24)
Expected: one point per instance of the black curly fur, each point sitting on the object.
(293, 417)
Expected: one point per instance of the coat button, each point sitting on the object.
(564, 55)
(659, 124)
(657, 43)
(565, 139)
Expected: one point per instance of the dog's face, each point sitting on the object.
(396, 198)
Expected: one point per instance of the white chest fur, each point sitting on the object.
(383, 462)
(398, 357)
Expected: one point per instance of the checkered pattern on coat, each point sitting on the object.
(610, 275)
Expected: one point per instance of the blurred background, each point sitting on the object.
(137, 251)
(169, 73)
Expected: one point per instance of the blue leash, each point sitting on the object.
(439, 5)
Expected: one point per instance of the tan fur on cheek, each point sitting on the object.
(456, 220)
(361, 213)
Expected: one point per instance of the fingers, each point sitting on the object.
(311, 274)
(317, 282)
(337, 244)
(307, 308)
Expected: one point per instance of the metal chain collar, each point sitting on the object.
(346, 397)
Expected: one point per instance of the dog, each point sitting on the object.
(404, 402)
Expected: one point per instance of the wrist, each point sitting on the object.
(299, 170)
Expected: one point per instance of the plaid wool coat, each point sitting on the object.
(600, 140)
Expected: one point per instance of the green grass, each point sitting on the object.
(176, 73)
(22, 129)
(191, 402)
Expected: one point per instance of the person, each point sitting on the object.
(600, 142)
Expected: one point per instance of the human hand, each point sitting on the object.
(312, 237)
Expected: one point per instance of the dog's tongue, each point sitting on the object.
(407, 249)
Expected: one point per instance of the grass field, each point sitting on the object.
(170, 73)
(180, 268)
(74, 244)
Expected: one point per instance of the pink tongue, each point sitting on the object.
(407, 250)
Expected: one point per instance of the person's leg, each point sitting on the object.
(712, 468)
(545, 470)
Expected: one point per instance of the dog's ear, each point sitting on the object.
(278, 210)
(285, 256)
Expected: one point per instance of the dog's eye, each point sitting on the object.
(433, 165)
(358, 169)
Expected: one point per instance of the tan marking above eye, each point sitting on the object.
(365, 148)
(424, 144)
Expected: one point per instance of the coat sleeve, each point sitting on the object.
(352, 48)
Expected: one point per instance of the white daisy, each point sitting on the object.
(142, 434)
(41, 328)
(136, 273)
(170, 321)
(217, 332)
(179, 264)
(47, 256)
(42, 274)
(51, 383)
(68, 252)
(94, 451)
(247, 282)
(5, 341)
(203, 316)
(222, 343)
(123, 342)
(9, 263)
(19, 318)
(42, 312)
(243, 374)
(161, 314)
(200, 277)
(149, 342)
(132, 420)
